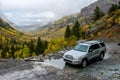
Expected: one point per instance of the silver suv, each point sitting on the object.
(84, 52)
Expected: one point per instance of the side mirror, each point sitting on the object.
(118, 44)
(91, 50)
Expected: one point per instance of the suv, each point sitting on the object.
(84, 52)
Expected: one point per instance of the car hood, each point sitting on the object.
(75, 53)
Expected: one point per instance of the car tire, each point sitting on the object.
(84, 63)
(101, 57)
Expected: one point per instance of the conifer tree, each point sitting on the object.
(67, 32)
(97, 14)
(76, 30)
(31, 47)
(113, 8)
(102, 14)
(39, 47)
(119, 5)
(1, 46)
(3, 54)
(12, 51)
(6, 48)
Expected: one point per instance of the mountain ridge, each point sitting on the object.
(58, 28)
(103, 4)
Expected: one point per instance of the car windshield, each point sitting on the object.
(82, 48)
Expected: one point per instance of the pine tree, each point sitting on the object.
(97, 14)
(31, 47)
(113, 8)
(3, 54)
(76, 30)
(6, 48)
(45, 45)
(39, 47)
(67, 32)
(12, 51)
(119, 5)
(1, 46)
(102, 14)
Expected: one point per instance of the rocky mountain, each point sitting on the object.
(86, 11)
(57, 29)
(107, 28)
(103, 4)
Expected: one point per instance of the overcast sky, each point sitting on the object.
(25, 12)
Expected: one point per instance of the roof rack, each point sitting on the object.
(81, 41)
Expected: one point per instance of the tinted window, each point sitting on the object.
(91, 48)
(96, 46)
(102, 44)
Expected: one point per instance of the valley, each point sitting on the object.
(35, 51)
(96, 28)
(63, 33)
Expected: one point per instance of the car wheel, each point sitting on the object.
(101, 56)
(84, 63)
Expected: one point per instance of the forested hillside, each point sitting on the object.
(100, 26)
(85, 18)
(14, 44)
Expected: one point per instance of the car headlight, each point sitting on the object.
(76, 58)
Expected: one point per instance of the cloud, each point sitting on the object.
(29, 11)
(27, 18)
(44, 5)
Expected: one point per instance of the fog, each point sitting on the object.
(25, 12)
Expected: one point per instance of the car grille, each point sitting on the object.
(68, 61)
(69, 57)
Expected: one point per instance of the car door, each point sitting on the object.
(93, 51)
(96, 50)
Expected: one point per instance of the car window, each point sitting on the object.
(102, 44)
(94, 47)
(91, 48)
(82, 48)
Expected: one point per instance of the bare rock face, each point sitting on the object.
(103, 4)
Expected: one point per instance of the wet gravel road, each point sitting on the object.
(56, 69)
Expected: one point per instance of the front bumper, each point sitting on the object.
(74, 62)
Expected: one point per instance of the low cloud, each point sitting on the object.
(24, 12)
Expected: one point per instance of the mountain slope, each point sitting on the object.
(58, 28)
(103, 4)
(107, 28)
(55, 29)
(8, 32)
